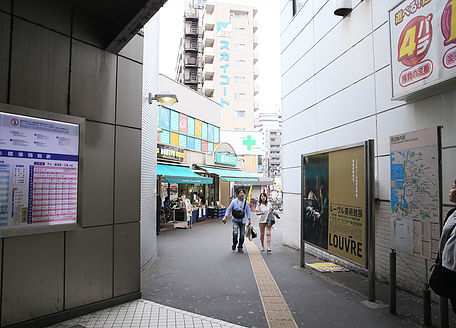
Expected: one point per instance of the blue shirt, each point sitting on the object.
(236, 204)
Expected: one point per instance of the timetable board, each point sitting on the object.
(39, 161)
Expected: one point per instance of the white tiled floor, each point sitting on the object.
(143, 313)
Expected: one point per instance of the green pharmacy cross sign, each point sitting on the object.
(249, 142)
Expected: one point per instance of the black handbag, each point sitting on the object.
(238, 214)
(441, 279)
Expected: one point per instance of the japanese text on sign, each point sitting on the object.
(38, 172)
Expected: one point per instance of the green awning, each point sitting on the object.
(230, 175)
(180, 174)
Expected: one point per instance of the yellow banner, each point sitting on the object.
(198, 128)
(347, 213)
(174, 139)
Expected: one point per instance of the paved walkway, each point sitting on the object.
(197, 281)
(143, 313)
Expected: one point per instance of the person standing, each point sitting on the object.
(188, 209)
(158, 214)
(240, 210)
(448, 246)
(263, 209)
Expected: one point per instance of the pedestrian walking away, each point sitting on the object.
(240, 211)
(263, 209)
(448, 247)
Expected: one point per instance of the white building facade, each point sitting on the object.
(337, 91)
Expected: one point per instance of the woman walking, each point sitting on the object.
(263, 208)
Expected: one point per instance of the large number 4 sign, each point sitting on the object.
(415, 40)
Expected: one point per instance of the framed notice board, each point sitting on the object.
(337, 203)
(40, 171)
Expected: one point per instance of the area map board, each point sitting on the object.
(415, 192)
(39, 172)
(335, 201)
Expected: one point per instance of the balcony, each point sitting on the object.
(256, 89)
(191, 14)
(191, 46)
(191, 61)
(255, 11)
(209, 71)
(209, 23)
(191, 30)
(210, 8)
(256, 73)
(255, 25)
(255, 57)
(256, 106)
(208, 38)
(255, 41)
(209, 54)
(208, 88)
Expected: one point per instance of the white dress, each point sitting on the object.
(265, 209)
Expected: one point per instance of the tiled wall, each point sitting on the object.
(336, 91)
(48, 64)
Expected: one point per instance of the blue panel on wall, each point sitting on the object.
(191, 126)
(210, 132)
(165, 118)
(190, 143)
(204, 136)
(198, 144)
(182, 140)
(174, 121)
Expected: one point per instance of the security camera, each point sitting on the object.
(343, 8)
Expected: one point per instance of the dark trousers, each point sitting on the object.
(238, 228)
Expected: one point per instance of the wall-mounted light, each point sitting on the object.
(163, 98)
(343, 8)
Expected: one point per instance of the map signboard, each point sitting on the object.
(415, 192)
(39, 172)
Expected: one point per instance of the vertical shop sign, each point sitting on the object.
(224, 31)
(423, 45)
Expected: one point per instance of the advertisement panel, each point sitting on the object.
(415, 192)
(334, 202)
(244, 142)
(39, 172)
(423, 45)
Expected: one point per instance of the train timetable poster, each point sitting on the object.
(38, 172)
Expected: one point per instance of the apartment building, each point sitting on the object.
(229, 59)
(272, 158)
(189, 65)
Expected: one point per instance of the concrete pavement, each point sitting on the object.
(198, 281)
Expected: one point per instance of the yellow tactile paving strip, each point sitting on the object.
(276, 309)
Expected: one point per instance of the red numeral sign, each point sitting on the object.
(415, 40)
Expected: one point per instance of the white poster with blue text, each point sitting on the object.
(38, 171)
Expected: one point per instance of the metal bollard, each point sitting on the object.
(444, 319)
(392, 285)
(427, 306)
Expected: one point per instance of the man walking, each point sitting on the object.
(240, 210)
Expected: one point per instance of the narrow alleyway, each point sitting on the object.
(196, 271)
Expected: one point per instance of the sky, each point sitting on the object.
(171, 30)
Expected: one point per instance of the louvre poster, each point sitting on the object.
(334, 203)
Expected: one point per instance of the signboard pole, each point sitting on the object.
(303, 192)
(443, 307)
(370, 199)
